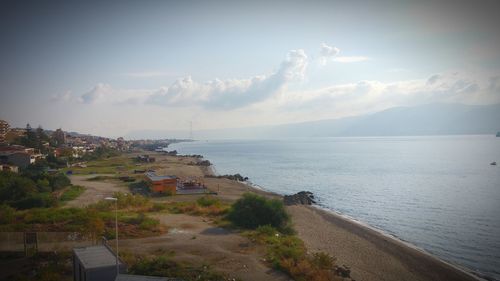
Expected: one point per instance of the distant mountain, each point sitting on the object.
(430, 119)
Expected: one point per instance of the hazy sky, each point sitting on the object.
(115, 67)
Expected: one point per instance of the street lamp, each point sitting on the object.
(116, 230)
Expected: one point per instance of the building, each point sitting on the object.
(145, 158)
(4, 128)
(18, 155)
(9, 168)
(161, 184)
(128, 277)
(95, 263)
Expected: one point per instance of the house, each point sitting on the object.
(9, 168)
(161, 184)
(18, 155)
(96, 263)
(128, 277)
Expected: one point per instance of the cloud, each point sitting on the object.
(232, 93)
(97, 94)
(150, 74)
(62, 97)
(327, 52)
(369, 96)
(433, 79)
(350, 59)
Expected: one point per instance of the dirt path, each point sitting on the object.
(195, 240)
(94, 190)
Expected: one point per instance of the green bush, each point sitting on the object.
(207, 201)
(72, 193)
(7, 214)
(35, 200)
(253, 211)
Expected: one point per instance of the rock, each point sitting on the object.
(301, 198)
(343, 271)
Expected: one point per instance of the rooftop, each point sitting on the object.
(95, 256)
(154, 177)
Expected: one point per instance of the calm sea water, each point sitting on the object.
(438, 193)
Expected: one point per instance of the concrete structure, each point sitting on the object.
(4, 128)
(161, 184)
(95, 263)
(128, 277)
(9, 168)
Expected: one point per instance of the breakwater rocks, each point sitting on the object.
(301, 198)
(235, 177)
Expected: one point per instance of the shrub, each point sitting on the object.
(72, 193)
(165, 266)
(207, 201)
(7, 214)
(253, 211)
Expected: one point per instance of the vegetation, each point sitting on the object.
(205, 206)
(164, 265)
(32, 188)
(49, 266)
(72, 193)
(104, 165)
(252, 211)
(288, 254)
(93, 221)
(36, 139)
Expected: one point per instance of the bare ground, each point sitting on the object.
(94, 190)
(197, 241)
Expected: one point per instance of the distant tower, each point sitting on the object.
(190, 130)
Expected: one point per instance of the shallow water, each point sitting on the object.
(438, 193)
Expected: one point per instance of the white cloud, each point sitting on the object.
(370, 96)
(346, 59)
(327, 52)
(62, 97)
(97, 94)
(232, 93)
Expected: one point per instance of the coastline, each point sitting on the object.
(371, 253)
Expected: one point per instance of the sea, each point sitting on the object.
(438, 193)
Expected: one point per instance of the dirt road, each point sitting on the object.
(94, 190)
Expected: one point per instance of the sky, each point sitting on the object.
(117, 67)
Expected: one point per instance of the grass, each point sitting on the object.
(95, 220)
(110, 165)
(71, 193)
(207, 206)
(288, 253)
(42, 266)
(164, 265)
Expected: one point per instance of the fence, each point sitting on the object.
(43, 241)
